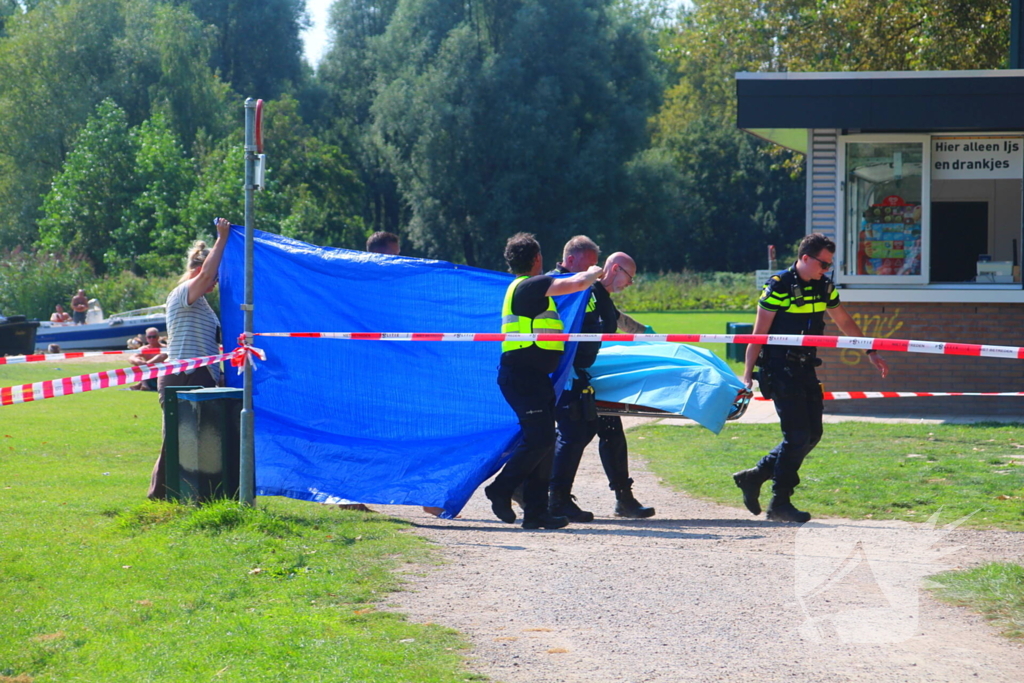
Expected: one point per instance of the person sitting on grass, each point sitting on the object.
(150, 354)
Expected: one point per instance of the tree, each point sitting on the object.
(258, 45)
(721, 37)
(83, 209)
(150, 238)
(60, 60)
(311, 192)
(661, 213)
(118, 198)
(347, 75)
(501, 116)
(748, 200)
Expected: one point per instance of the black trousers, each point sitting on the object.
(576, 431)
(798, 402)
(531, 396)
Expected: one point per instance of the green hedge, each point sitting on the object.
(688, 291)
(32, 284)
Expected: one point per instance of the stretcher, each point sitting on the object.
(660, 379)
(739, 408)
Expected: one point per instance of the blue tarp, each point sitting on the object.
(680, 379)
(401, 422)
(405, 423)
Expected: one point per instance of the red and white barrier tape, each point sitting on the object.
(41, 357)
(844, 395)
(864, 343)
(71, 355)
(38, 391)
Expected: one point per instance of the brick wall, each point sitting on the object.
(1001, 324)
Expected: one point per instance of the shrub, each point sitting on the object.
(126, 291)
(32, 284)
(689, 291)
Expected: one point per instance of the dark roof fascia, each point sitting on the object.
(883, 101)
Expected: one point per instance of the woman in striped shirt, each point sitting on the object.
(193, 330)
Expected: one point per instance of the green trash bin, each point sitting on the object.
(737, 352)
(202, 426)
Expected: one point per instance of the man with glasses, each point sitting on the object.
(576, 413)
(794, 302)
(150, 354)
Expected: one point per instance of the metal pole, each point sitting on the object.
(246, 460)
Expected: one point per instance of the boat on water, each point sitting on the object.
(100, 333)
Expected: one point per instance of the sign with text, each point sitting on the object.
(977, 158)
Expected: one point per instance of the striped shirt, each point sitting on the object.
(192, 331)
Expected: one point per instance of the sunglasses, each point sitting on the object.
(826, 265)
(152, 336)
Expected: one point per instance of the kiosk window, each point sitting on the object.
(883, 205)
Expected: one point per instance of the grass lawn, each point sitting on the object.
(698, 322)
(995, 590)
(98, 585)
(860, 470)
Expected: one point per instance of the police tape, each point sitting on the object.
(41, 357)
(74, 355)
(67, 386)
(862, 343)
(845, 395)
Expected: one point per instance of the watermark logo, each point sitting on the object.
(860, 581)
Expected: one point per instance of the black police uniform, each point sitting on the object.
(578, 422)
(524, 380)
(787, 376)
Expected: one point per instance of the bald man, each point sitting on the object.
(576, 412)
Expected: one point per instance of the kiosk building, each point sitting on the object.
(918, 178)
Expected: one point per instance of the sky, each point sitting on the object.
(315, 39)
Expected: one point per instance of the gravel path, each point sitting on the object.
(702, 592)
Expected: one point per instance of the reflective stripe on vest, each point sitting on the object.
(547, 322)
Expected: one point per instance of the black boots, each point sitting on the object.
(628, 506)
(501, 506)
(563, 504)
(781, 510)
(545, 521)
(749, 482)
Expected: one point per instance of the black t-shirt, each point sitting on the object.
(602, 320)
(530, 300)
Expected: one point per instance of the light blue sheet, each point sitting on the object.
(676, 378)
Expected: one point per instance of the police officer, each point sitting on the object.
(525, 382)
(794, 302)
(576, 412)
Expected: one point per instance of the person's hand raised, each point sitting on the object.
(223, 228)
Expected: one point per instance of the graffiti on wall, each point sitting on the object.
(875, 325)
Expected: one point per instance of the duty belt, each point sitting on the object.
(790, 355)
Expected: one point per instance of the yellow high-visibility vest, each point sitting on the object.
(547, 322)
